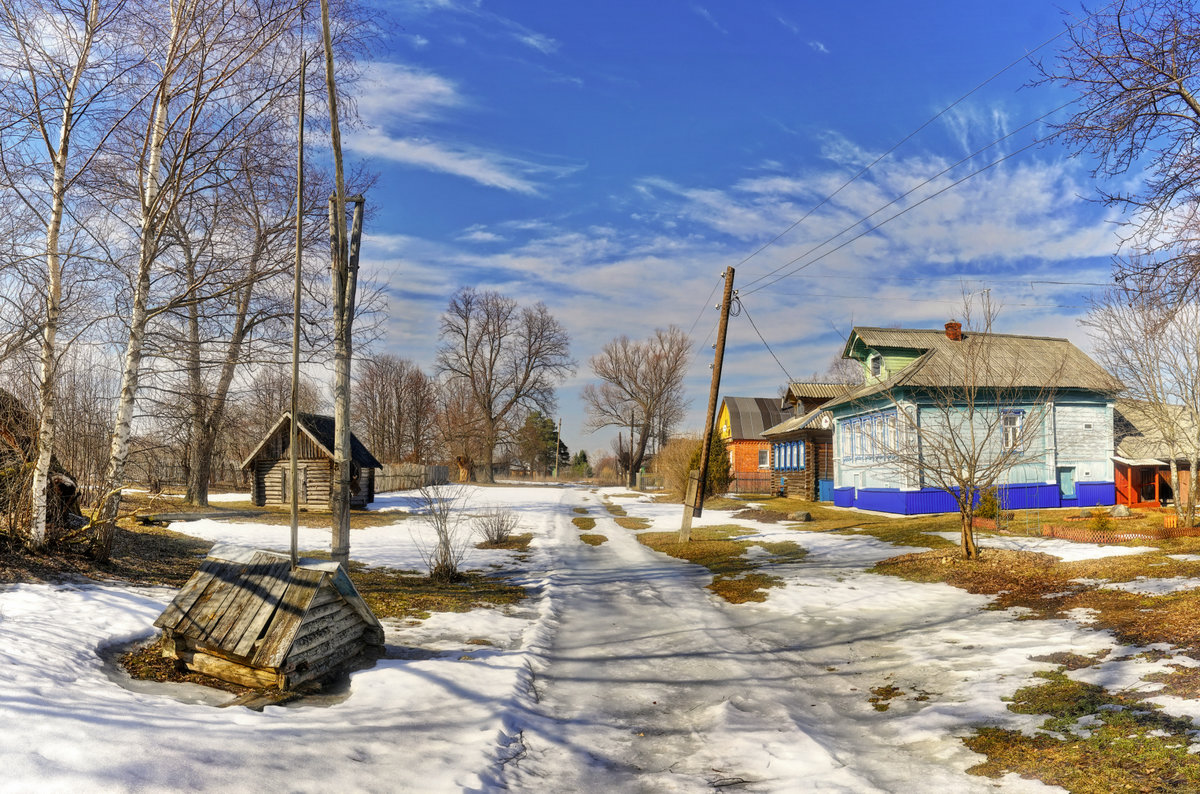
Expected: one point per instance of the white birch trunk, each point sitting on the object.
(131, 368)
(49, 353)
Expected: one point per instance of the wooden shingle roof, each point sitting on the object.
(249, 604)
(1138, 432)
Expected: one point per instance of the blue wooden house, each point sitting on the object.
(1044, 402)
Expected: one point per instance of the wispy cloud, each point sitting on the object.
(790, 25)
(486, 168)
(394, 92)
(818, 47)
(704, 14)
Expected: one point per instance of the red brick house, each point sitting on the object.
(740, 424)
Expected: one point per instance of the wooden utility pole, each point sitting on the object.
(697, 507)
(294, 435)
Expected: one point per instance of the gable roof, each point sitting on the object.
(1012, 360)
(810, 421)
(250, 603)
(817, 391)
(1138, 438)
(750, 416)
(320, 430)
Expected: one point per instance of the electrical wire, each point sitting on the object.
(909, 136)
(887, 220)
(910, 191)
(746, 311)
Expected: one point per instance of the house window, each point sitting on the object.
(763, 458)
(799, 454)
(876, 362)
(1011, 423)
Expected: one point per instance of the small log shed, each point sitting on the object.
(247, 617)
(269, 465)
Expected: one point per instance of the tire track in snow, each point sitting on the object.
(638, 681)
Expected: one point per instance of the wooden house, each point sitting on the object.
(247, 617)
(1058, 406)
(1142, 463)
(269, 465)
(802, 444)
(740, 424)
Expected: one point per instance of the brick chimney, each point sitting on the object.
(954, 331)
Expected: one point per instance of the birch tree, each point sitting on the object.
(222, 67)
(62, 62)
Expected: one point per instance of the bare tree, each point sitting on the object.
(1153, 346)
(221, 70)
(504, 357)
(396, 409)
(641, 385)
(1136, 66)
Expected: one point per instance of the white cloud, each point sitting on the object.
(704, 14)
(480, 234)
(818, 47)
(486, 168)
(394, 93)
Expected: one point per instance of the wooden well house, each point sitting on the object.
(269, 465)
(247, 617)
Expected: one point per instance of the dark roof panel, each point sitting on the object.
(750, 416)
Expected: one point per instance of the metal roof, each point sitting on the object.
(994, 360)
(750, 416)
(810, 421)
(320, 429)
(817, 391)
(1139, 434)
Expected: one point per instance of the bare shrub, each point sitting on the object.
(444, 507)
(496, 525)
(673, 462)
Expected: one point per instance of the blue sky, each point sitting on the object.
(611, 159)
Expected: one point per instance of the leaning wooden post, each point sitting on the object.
(685, 530)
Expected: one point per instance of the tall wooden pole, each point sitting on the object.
(713, 391)
(294, 437)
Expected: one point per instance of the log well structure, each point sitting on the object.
(247, 617)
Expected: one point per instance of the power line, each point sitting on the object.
(764, 341)
(908, 137)
(867, 231)
(909, 192)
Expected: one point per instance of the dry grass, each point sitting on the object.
(1127, 744)
(1045, 586)
(511, 543)
(405, 594)
(615, 510)
(584, 522)
(629, 522)
(580, 510)
(721, 550)
(593, 539)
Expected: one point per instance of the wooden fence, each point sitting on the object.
(407, 476)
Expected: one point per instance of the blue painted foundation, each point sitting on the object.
(935, 500)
